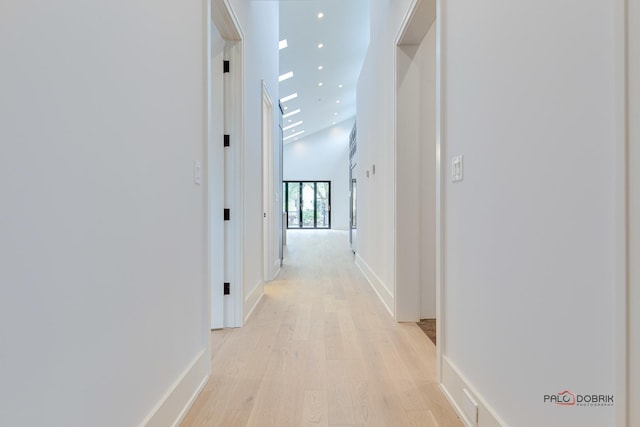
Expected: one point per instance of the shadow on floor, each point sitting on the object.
(428, 326)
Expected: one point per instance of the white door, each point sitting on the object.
(267, 185)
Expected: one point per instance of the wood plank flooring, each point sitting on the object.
(321, 350)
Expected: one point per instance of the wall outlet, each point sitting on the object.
(457, 169)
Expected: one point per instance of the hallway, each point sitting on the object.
(320, 349)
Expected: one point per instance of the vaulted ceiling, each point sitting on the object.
(327, 41)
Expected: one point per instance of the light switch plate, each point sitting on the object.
(197, 172)
(457, 169)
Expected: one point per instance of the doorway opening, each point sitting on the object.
(418, 183)
(307, 204)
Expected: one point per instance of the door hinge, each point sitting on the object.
(227, 140)
(227, 288)
(227, 214)
(225, 66)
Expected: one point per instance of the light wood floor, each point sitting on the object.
(321, 350)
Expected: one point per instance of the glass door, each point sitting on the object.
(308, 204)
(323, 209)
(292, 197)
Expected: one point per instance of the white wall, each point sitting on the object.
(529, 238)
(408, 165)
(103, 302)
(634, 213)
(415, 287)
(324, 156)
(426, 58)
(375, 146)
(259, 21)
(529, 250)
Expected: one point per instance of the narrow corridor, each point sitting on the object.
(321, 349)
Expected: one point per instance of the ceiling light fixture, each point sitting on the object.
(337, 101)
(320, 84)
(293, 125)
(285, 76)
(288, 98)
(320, 15)
(291, 113)
(320, 67)
(335, 114)
(293, 136)
(340, 86)
(283, 44)
(320, 45)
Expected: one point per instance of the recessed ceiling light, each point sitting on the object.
(288, 98)
(320, 15)
(293, 125)
(291, 113)
(286, 108)
(320, 67)
(293, 136)
(340, 86)
(334, 123)
(290, 120)
(283, 44)
(320, 84)
(285, 76)
(320, 45)
(337, 101)
(335, 114)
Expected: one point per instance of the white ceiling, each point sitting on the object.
(344, 33)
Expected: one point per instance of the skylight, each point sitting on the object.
(288, 98)
(293, 136)
(293, 125)
(285, 76)
(291, 113)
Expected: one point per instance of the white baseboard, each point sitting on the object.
(378, 286)
(453, 386)
(175, 404)
(253, 299)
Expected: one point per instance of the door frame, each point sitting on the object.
(221, 15)
(415, 26)
(213, 185)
